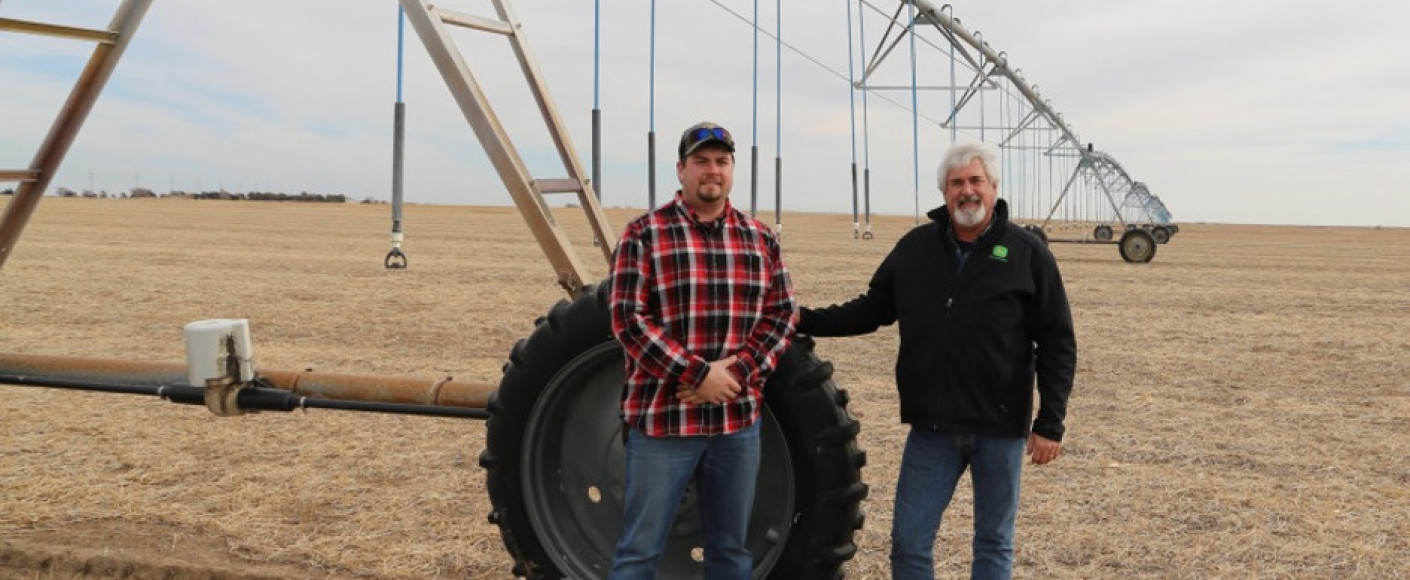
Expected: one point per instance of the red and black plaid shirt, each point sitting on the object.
(685, 293)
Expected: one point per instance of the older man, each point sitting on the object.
(982, 311)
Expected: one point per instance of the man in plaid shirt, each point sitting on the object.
(702, 305)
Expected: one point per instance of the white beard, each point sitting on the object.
(968, 217)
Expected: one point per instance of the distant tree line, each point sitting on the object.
(263, 196)
(142, 192)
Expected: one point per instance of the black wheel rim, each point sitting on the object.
(573, 477)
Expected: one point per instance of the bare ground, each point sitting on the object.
(1242, 406)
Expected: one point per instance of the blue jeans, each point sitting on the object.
(657, 471)
(930, 469)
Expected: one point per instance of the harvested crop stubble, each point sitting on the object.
(1241, 405)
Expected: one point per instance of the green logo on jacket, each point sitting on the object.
(1000, 253)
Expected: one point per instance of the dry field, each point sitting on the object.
(1242, 407)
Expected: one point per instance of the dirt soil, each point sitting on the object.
(1242, 407)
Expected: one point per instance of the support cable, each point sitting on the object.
(834, 72)
(882, 48)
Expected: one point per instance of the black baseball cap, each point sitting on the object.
(702, 134)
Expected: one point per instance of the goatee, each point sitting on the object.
(970, 217)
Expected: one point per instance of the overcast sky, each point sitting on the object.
(1269, 111)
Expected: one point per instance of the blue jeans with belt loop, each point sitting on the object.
(657, 471)
(931, 466)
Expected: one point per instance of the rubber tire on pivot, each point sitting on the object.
(1102, 232)
(553, 459)
(1160, 234)
(1137, 246)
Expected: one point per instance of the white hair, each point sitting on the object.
(962, 154)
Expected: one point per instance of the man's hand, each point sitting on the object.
(1043, 449)
(718, 386)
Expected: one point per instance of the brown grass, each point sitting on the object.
(1242, 406)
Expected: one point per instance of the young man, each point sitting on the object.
(982, 311)
(702, 305)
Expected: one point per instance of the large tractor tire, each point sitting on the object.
(554, 460)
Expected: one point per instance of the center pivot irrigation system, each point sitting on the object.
(1097, 201)
(553, 452)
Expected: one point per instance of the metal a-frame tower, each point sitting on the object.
(431, 24)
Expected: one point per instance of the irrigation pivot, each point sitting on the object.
(553, 441)
(1099, 202)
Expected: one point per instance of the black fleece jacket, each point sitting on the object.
(974, 336)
